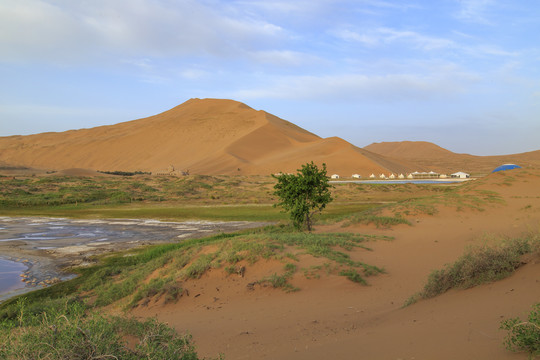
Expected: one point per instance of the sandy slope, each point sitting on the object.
(208, 136)
(434, 157)
(332, 317)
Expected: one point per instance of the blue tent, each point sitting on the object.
(507, 167)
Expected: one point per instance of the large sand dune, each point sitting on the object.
(434, 157)
(207, 136)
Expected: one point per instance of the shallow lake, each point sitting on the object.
(9, 275)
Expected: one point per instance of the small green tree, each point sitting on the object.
(303, 195)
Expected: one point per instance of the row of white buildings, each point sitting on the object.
(411, 176)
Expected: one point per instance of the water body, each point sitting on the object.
(440, 182)
(50, 243)
(52, 233)
(9, 275)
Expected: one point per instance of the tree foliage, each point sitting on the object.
(303, 195)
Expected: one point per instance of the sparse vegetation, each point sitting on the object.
(524, 336)
(281, 281)
(379, 221)
(477, 266)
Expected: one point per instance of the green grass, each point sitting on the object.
(260, 212)
(353, 275)
(379, 221)
(477, 266)
(178, 198)
(461, 198)
(67, 330)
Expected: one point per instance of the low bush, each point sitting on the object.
(524, 335)
(477, 266)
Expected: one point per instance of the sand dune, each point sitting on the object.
(207, 136)
(332, 317)
(213, 136)
(428, 155)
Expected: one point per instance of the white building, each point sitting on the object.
(401, 176)
(425, 175)
(382, 176)
(460, 175)
(372, 176)
(392, 176)
(356, 176)
(335, 176)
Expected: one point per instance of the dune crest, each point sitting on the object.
(206, 136)
(425, 154)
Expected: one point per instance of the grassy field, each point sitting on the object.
(181, 198)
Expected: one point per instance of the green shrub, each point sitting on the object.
(524, 335)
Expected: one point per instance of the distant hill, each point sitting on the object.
(428, 155)
(204, 136)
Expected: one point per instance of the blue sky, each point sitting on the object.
(464, 74)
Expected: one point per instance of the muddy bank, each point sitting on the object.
(49, 247)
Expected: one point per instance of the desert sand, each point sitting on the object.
(204, 136)
(216, 136)
(332, 317)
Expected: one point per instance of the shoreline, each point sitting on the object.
(48, 254)
(41, 272)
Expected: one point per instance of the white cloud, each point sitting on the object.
(400, 5)
(474, 10)
(388, 36)
(353, 36)
(282, 57)
(360, 87)
(418, 40)
(495, 51)
(66, 31)
(193, 73)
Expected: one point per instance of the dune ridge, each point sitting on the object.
(217, 136)
(204, 136)
(426, 154)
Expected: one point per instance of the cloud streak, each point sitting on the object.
(475, 11)
(388, 36)
(364, 88)
(68, 31)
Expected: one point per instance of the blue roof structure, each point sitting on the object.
(506, 167)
